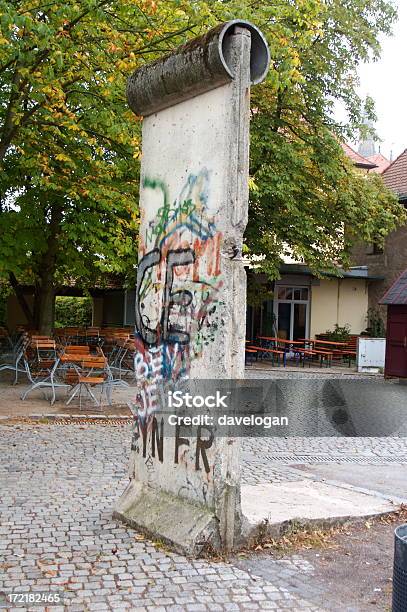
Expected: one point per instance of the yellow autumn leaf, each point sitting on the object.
(62, 157)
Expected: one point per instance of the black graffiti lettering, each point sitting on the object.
(180, 297)
(179, 442)
(157, 438)
(143, 428)
(179, 257)
(202, 445)
(148, 261)
(135, 438)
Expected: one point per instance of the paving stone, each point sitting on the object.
(59, 485)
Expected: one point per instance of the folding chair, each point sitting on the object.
(11, 356)
(93, 336)
(92, 372)
(42, 375)
(45, 349)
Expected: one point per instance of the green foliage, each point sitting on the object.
(375, 324)
(70, 147)
(69, 143)
(258, 290)
(73, 311)
(339, 334)
(303, 188)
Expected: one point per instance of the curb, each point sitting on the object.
(276, 530)
(65, 417)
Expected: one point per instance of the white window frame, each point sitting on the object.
(307, 302)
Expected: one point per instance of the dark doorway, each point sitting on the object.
(396, 345)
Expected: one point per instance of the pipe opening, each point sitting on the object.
(259, 53)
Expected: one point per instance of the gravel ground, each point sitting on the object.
(351, 573)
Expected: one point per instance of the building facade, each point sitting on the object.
(303, 305)
(386, 264)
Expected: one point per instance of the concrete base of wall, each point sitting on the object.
(270, 509)
(187, 528)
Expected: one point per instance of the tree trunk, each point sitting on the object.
(46, 296)
(46, 309)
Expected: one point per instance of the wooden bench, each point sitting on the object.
(317, 353)
(272, 352)
(350, 349)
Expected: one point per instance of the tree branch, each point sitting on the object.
(21, 300)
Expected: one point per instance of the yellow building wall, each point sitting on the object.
(353, 304)
(323, 306)
(342, 301)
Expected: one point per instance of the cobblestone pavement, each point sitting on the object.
(365, 451)
(269, 459)
(58, 486)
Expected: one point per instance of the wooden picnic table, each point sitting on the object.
(78, 352)
(329, 342)
(297, 347)
(288, 346)
(282, 340)
(75, 357)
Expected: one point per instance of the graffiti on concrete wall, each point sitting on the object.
(177, 296)
(177, 306)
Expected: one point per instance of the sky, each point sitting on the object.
(385, 82)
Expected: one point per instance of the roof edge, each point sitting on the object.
(393, 162)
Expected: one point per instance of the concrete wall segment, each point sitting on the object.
(191, 289)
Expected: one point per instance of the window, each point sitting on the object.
(299, 294)
(291, 309)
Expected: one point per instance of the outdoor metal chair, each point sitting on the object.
(92, 372)
(121, 359)
(127, 364)
(42, 374)
(93, 336)
(14, 363)
(12, 355)
(45, 349)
